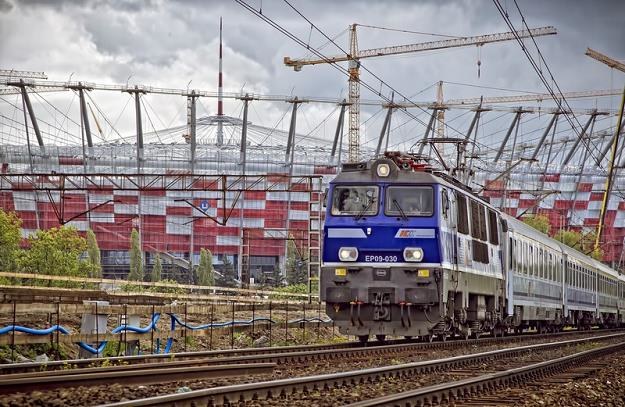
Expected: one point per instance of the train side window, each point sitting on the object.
(526, 259)
(444, 203)
(568, 273)
(492, 223)
(483, 227)
(541, 267)
(463, 218)
(511, 251)
(532, 261)
(475, 219)
(551, 271)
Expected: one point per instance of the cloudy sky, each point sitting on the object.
(174, 44)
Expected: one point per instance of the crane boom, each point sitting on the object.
(423, 46)
(612, 63)
(354, 56)
(536, 97)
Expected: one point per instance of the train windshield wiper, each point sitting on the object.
(401, 211)
(362, 213)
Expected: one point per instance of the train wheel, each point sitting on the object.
(380, 338)
(363, 338)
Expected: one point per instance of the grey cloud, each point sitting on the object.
(5, 6)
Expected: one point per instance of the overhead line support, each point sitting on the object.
(136, 91)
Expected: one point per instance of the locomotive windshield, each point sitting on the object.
(355, 200)
(409, 201)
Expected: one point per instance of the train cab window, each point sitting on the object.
(355, 200)
(463, 218)
(409, 201)
(493, 232)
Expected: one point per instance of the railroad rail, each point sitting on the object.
(462, 389)
(30, 382)
(276, 388)
(283, 354)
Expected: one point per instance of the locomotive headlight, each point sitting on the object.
(348, 254)
(413, 254)
(383, 170)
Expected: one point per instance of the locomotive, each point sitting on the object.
(410, 251)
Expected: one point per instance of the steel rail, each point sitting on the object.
(143, 376)
(452, 391)
(266, 390)
(283, 354)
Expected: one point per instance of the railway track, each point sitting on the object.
(284, 354)
(478, 391)
(309, 384)
(31, 382)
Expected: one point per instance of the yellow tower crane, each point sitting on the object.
(612, 63)
(355, 55)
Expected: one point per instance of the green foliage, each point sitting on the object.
(171, 290)
(296, 267)
(538, 222)
(581, 242)
(205, 269)
(136, 258)
(276, 278)
(294, 289)
(157, 269)
(57, 252)
(229, 275)
(569, 238)
(131, 288)
(93, 252)
(10, 238)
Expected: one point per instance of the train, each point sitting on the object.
(408, 250)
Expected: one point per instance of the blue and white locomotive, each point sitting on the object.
(409, 251)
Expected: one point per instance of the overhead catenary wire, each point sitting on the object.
(344, 71)
(558, 99)
(363, 67)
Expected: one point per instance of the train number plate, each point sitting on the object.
(380, 259)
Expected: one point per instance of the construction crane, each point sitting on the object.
(612, 63)
(532, 97)
(355, 55)
(13, 74)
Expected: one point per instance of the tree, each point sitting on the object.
(538, 222)
(276, 279)
(296, 272)
(93, 252)
(10, 238)
(56, 251)
(205, 268)
(157, 269)
(136, 258)
(580, 242)
(229, 275)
